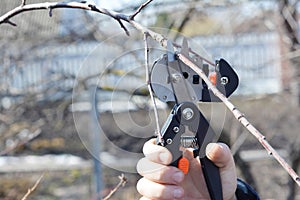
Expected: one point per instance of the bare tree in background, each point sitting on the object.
(290, 25)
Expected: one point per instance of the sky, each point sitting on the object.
(114, 4)
(118, 4)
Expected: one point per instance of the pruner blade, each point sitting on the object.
(170, 51)
(182, 88)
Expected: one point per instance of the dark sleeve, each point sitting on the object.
(245, 191)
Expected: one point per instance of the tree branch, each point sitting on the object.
(147, 69)
(123, 181)
(54, 5)
(119, 17)
(20, 143)
(139, 9)
(31, 190)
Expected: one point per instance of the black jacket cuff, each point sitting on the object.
(245, 191)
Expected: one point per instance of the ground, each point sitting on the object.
(272, 114)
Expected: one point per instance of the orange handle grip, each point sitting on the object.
(183, 165)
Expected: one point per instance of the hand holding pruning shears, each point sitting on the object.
(161, 181)
(186, 133)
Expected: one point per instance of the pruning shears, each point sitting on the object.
(173, 81)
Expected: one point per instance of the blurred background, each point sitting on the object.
(75, 107)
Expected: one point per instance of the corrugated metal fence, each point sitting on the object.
(255, 56)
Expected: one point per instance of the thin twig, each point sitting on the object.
(242, 119)
(20, 143)
(10, 23)
(31, 190)
(158, 132)
(123, 181)
(23, 3)
(139, 9)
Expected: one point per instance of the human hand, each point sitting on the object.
(161, 181)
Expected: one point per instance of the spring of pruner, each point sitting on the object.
(189, 142)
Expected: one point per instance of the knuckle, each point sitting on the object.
(161, 174)
(139, 166)
(140, 186)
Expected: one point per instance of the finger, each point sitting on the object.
(220, 154)
(159, 173)
(152, 190)
(144, 198)
(157, 153)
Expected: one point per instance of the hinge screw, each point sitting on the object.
(187, 113)
(169, 141)
(176, 129)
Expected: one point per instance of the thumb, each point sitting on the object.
(220, 154)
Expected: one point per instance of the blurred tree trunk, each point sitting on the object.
(289, 15)
(290, 28)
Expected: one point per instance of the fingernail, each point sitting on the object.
(178, 193)
(178, 177)
(163, 157)
(210, 147)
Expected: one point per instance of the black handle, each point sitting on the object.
(227, 82)
(212, 178)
